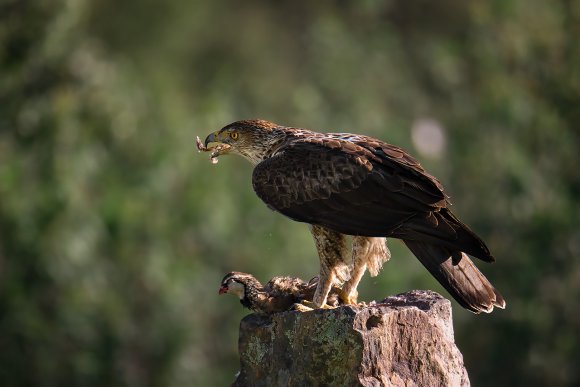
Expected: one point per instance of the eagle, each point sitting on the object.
(345, 184)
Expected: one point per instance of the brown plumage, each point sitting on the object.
(278, 295)
(348, 184)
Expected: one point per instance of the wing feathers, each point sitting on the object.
(360, 186)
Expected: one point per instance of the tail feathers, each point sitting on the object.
(457, 273)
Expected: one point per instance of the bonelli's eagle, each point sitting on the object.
(347, 184)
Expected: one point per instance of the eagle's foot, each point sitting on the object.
(300, 307)
(349, 298)
(306, 306)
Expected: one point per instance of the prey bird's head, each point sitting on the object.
(239, 284)
(255, 140)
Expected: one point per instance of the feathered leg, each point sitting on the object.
(331, 247)
(368, 253)
(349, 294)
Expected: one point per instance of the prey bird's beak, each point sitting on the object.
(223, 289)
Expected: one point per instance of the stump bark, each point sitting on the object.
(404, 340)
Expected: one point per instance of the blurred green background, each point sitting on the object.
(115, 232)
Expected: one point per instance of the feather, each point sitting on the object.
(459, 276)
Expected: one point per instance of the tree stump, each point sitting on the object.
(404, 340)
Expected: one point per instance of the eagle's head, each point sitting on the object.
(255, 140)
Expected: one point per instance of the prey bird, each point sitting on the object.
(347, 184)
(278, 295)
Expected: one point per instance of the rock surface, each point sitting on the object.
(404, 340)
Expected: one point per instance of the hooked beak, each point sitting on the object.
(223, 289)
(212, 139)
(213, 143)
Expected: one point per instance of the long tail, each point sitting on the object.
(457, 273)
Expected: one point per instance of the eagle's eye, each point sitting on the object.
(234, 135)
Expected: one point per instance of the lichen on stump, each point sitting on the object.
(404, 340)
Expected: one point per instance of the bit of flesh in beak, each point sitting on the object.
(223, 289)
(216, 150)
